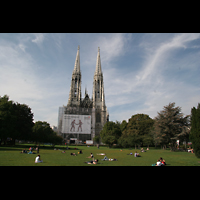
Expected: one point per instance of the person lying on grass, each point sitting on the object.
(109, 159)
(94, 162)
(112, 159)
(72, 154)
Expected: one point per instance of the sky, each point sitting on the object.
(142, 72)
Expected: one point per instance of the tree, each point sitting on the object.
(5, 117)
(123, 125)
(110, 133)
(42, 132)
(137, 131)
(16, 120)
(22, 123)
(195, 130)
(170, 125)
(96, 139)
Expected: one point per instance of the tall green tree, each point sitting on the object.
(170, 125)
(22, 122)
(123, 125)
(110, 133)
(5, 117)
(195, 130)
(137, 131)
(16, 120)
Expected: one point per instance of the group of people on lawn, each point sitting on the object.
(160, 162)
(31, 150)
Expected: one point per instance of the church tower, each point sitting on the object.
(98, 96)
(77, 107)
(75, 89)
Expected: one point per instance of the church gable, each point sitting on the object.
(86, 102)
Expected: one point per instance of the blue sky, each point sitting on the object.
(142, 72)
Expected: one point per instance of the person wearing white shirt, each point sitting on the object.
(37, 159)
(158, 163)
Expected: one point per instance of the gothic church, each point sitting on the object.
(94, 106)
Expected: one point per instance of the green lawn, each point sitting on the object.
(11, 156)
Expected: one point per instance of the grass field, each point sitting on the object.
(11, 156)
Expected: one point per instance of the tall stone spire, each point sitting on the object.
(77, 62)
(75, 89)
(100, 115)
(98, 91)
(98, 64)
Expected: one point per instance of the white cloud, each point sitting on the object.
(113, 46)
(39, 38)
(19, 80)
(162, 52)
(144, 87)
(22, 47)
(150, 85)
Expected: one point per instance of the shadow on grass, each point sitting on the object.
(21, 147)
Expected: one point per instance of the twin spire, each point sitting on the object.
(98, 86)
(77, 63)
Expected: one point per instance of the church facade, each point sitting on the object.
(83, 118)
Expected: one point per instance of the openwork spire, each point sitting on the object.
(98, 64)
(77, 62)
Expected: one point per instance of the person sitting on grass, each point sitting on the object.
(162, 161)
(72, 154)
(23, 151)
(80, 152)
(91, 156)
(137, 154)
(31, 152)
(158, 163)
(37, 159)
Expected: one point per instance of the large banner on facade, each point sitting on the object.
(76, 124)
